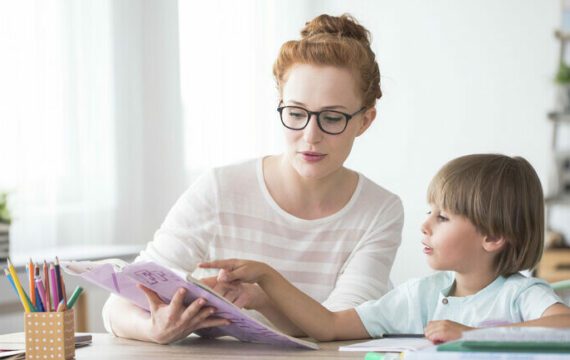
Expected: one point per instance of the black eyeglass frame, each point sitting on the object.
(318, 114)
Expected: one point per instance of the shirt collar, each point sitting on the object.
(495, 284)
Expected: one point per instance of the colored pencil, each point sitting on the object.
(78, 290)
(32, 281)
(46, 283)
(53, 283)
(64, 299)
(47, 294)
(39, 303)
(21, 292)
(61, 307)
(58, 278)
(9, 277)
(42, 293)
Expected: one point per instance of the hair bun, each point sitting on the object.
(342, 26)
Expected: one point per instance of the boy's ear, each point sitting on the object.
(494, 243)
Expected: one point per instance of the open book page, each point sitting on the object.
(122, 279)
(389, 345)
(512, 339)
(518, 334)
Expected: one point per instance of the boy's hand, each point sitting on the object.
(440, 331)
(242, 295)
(235, 270)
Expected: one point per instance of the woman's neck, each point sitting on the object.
(307, 198)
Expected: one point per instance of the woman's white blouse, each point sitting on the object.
(341, 260)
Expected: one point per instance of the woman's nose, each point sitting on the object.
(312, 133)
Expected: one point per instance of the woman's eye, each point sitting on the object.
(330, 118)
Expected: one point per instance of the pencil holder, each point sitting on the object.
(50, 335)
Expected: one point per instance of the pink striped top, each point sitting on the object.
(341, 260)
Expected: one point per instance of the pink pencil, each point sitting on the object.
(53, 284)
(42, 292)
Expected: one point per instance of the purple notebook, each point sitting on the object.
(121, 278)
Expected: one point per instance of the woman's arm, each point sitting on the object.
(302, 310)
(180, 243)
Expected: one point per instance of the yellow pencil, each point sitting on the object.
(19, 289)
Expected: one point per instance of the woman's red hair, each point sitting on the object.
(333, 41)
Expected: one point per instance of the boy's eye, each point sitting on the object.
(442, 218)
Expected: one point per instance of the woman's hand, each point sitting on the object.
(175, 321)
(440, 331)
(235, 270)
(242, 295)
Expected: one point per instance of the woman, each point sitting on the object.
(329, 230)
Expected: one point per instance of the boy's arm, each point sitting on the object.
(279, 320)
(302, 310)
(308, 314)
(557, 315)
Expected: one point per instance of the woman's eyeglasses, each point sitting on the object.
(330, 121)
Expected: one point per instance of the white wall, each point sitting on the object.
(150, 150)
(458, 77)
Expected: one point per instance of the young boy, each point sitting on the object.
(485, 225)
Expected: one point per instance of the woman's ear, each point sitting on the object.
(494, 244)
(367, 119)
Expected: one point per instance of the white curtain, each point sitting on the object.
(56, 131)
(227, 49)
(91, 140)
(109, 108)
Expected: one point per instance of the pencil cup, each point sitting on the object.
(49, 335)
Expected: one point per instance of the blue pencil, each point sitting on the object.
(9, 276)
(39, 302)
(58, 279)
(10, 280)
(27, 299)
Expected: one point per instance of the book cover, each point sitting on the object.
(121, 279)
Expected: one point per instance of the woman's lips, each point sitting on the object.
(310, 156)
(427, 249)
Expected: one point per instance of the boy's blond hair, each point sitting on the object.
(502, 197)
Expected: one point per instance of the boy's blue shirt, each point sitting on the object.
(409, 307)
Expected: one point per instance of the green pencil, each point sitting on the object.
(78, 290)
